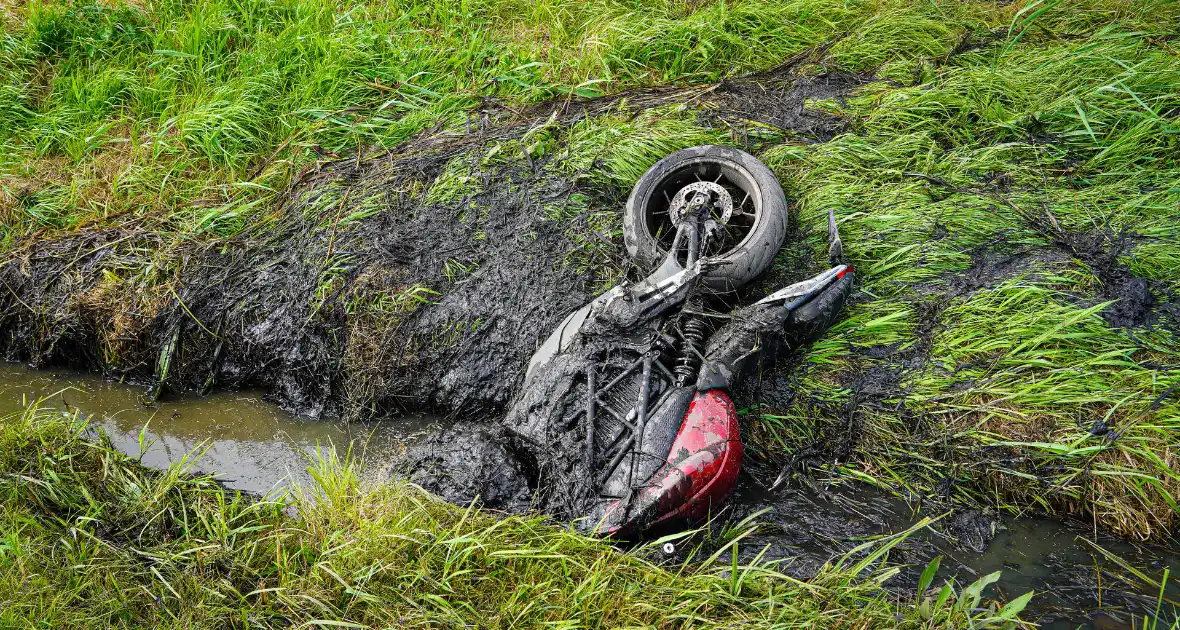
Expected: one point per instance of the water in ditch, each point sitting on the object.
(249, 444)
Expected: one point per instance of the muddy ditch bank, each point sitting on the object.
(417, 279)
(256, 447)
(1077, 585)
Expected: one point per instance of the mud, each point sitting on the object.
(971, 529)
(800, 530)
(1136, 302)
(463, 466)
(1135, 298)
(781, 102)
(294, 312)
(363, 298)
(992, 266)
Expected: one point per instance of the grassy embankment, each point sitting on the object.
(1003, 205)
(1006, 179)
(89, 538)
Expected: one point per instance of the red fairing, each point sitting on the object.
(705, 459)
(702, 467)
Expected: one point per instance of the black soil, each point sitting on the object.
(801, 529)
(467, 464)
(781, 101)
(418, 305)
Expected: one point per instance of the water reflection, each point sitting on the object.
(249, 444)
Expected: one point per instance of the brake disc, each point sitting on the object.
(720, 200)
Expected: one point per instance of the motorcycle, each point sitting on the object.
(625, 407)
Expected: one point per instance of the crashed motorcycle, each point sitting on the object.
(624, 415)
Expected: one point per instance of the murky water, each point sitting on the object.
(252, 445)
(249, 444)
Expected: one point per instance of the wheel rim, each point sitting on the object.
(743, 216)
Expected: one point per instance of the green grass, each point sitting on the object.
(994, 130)
(189, 112)
(89, 538)
(1075, 113)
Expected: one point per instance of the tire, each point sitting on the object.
(647, 230)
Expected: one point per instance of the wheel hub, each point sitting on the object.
(719, 202)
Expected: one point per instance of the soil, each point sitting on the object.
(312, 307)
(1134, 297)
(781, 101)
(466, 464)
(801, 529)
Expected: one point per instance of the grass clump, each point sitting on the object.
(619, 149)
(92, 538)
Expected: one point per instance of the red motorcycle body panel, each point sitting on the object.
(702, 467)
(705, 459)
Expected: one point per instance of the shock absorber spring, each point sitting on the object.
(692, 332)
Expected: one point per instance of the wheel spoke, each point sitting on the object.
(733, 236)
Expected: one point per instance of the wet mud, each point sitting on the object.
(780, 101)
(1134, 298)
(1136, 302)
(801, 529)
(464, 466)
